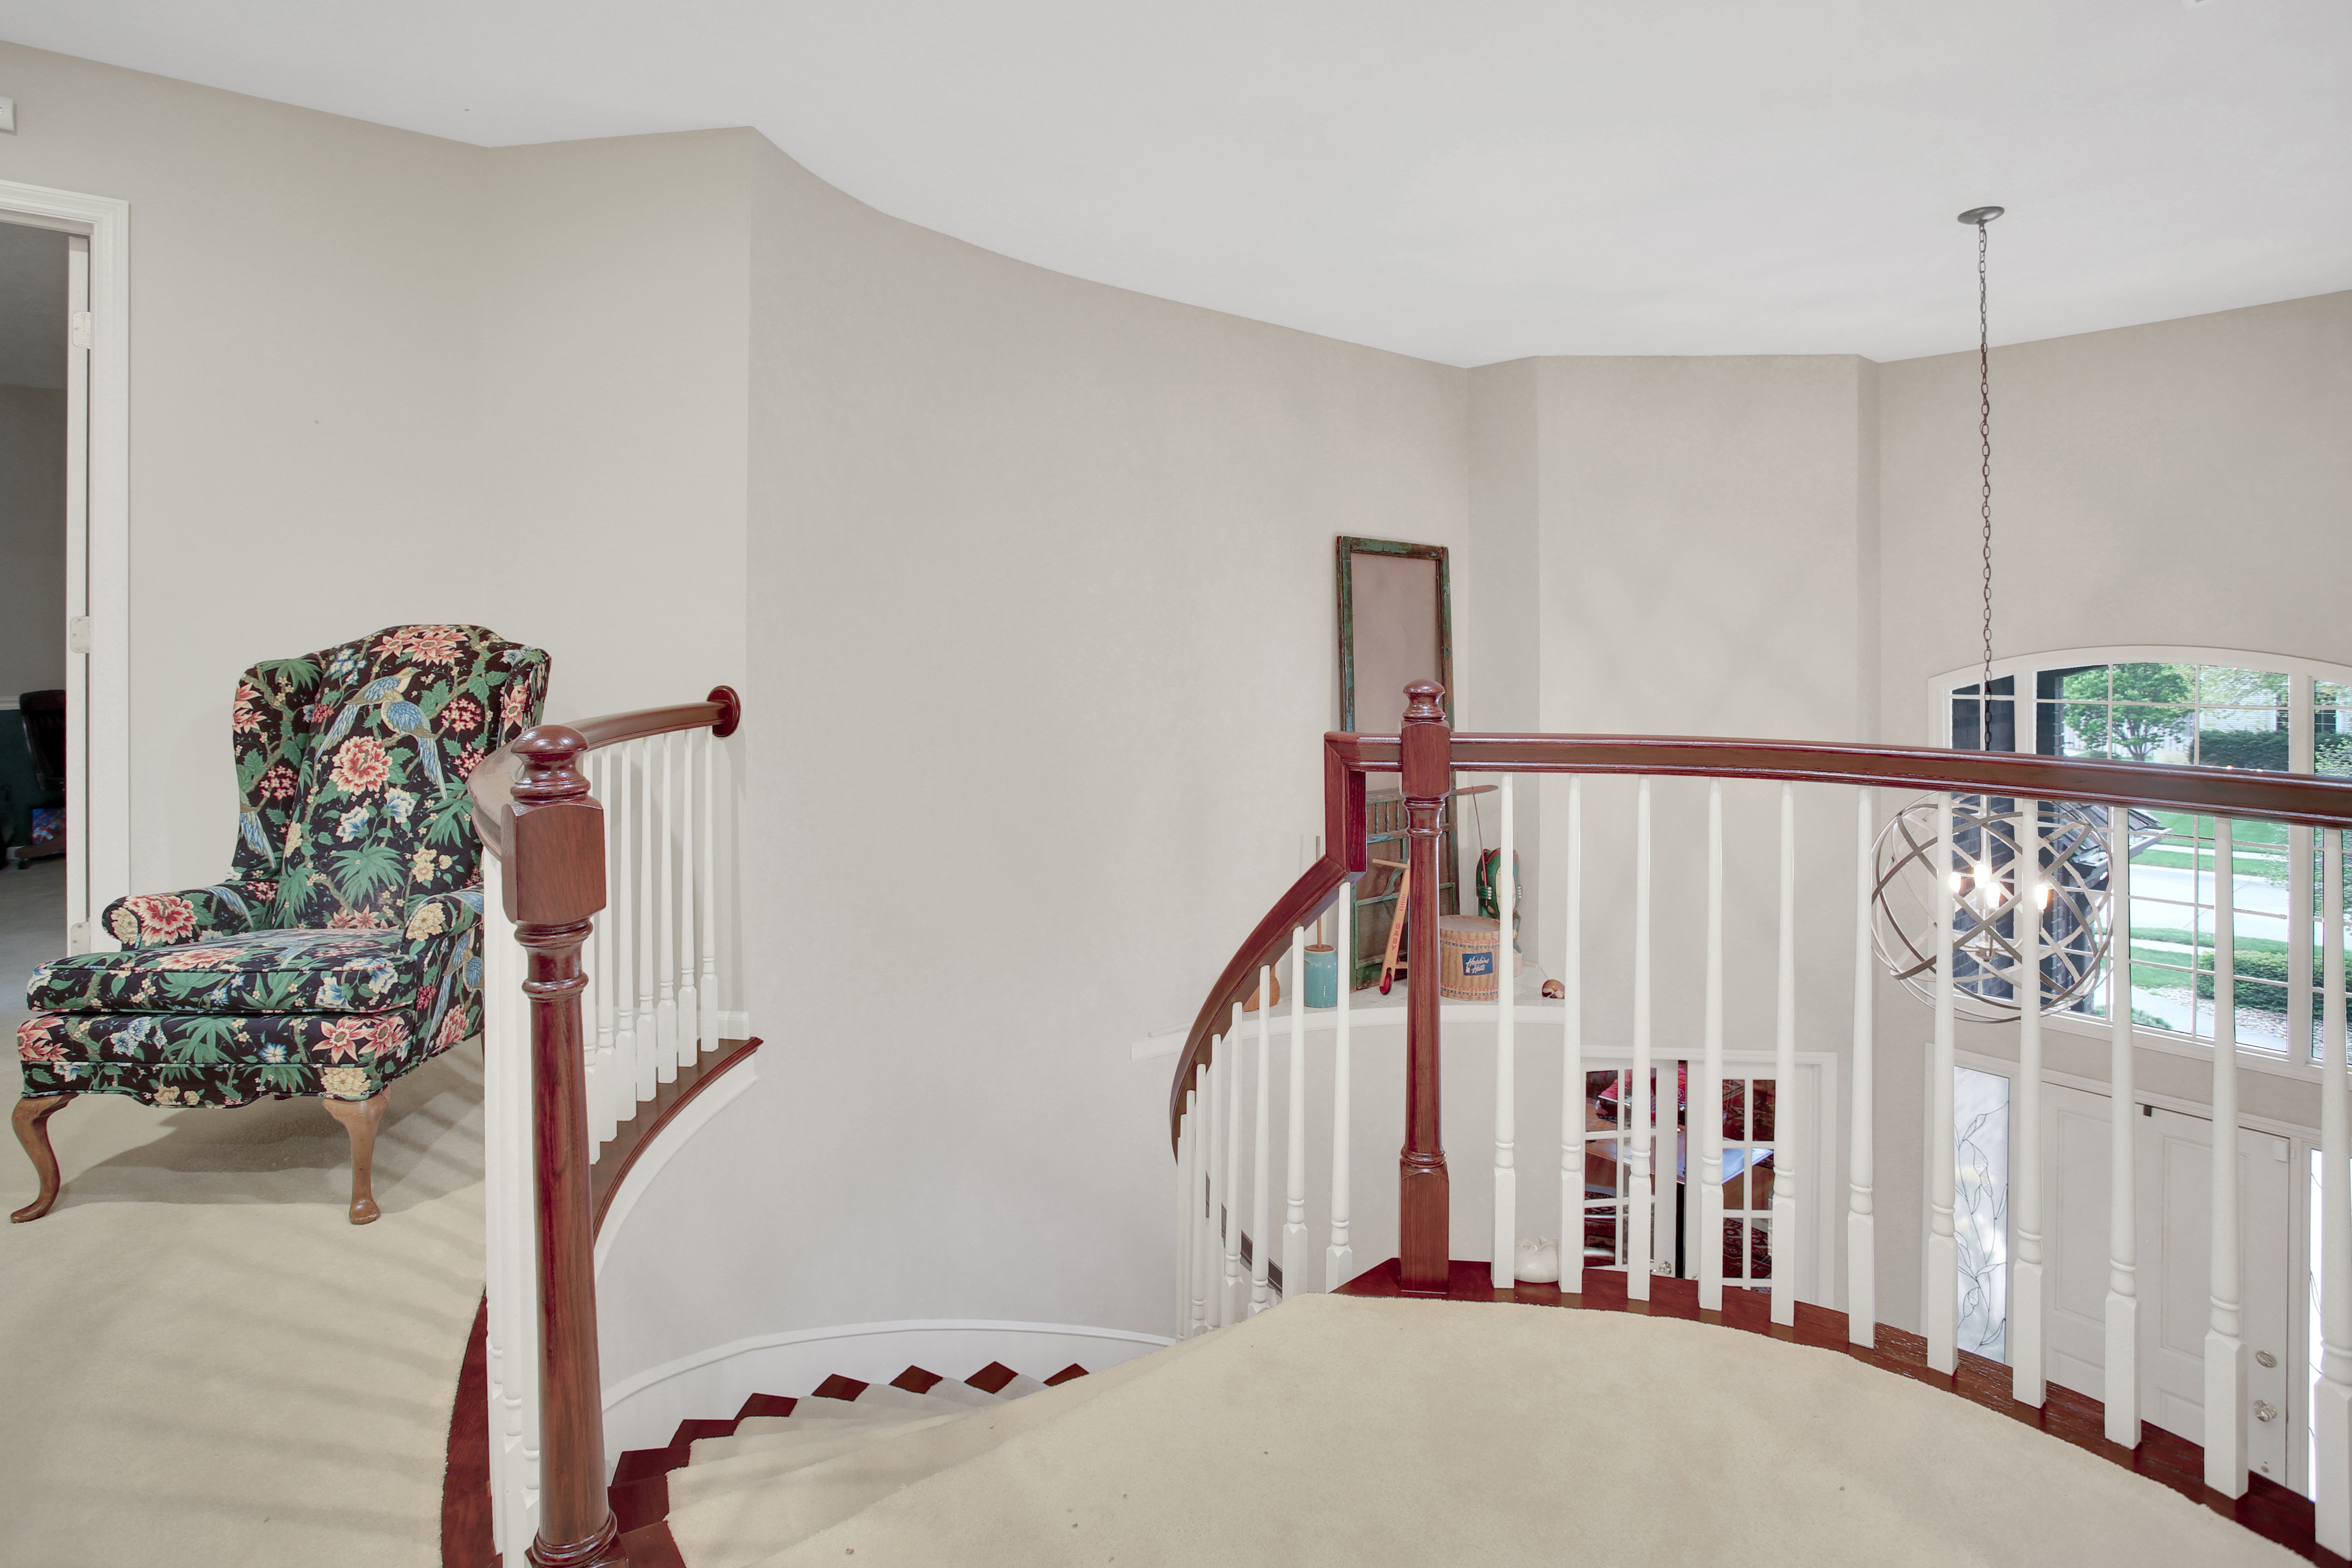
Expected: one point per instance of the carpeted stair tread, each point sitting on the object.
(739, 1510)
(1507, 1435)
(961, 1394)
(1021, 1387)
(822, 1438)
(779, 1453)
(882, 1397)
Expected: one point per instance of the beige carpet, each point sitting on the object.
(202, 1362)
(1350, 1432)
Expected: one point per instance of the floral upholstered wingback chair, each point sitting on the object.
(344, 948)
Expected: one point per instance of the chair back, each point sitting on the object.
(352, 762)
(45, 733)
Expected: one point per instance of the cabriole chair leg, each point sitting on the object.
(32, 1121)
(359, 1118)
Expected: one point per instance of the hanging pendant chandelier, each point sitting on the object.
(1981, 865)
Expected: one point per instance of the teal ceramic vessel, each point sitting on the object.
(1323, 977)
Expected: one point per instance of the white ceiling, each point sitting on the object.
(1467, 181)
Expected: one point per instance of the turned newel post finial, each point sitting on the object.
(551, 756)
(1425, 702)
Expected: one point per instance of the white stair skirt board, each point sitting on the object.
(697, 1115)
(642, 1410)
(1289, 1424)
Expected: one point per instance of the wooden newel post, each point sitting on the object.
(554, 883)
(1423, 1248)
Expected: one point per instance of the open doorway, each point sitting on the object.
(39, 425)
(89, 326)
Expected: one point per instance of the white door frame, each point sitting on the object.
(98, 560)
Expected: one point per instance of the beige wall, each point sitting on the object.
(1044, 646)
(302, 305)
(372, 373)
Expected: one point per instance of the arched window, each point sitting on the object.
(2212, 708)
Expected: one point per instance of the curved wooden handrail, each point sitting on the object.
(492, 783)
(2298, 798)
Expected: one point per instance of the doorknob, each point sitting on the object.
(2265, 1411)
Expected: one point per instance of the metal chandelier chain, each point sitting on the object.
(1984, 434)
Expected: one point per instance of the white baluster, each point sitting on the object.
(637, 1064)
(1295, 1278)
(2225, 1349)
(1640, 1244)
(1200, 1275)
(1188, 1150)
(1261, 1177)
(2028, 1377)
(1504, 1271)
(1212, 1168)
(1571, 1054)
(1236, 1292)
(653, 1058)
(706, 989)
(1340, 1257)
(1785, 1162)
(665, 913)
(495, 1204)
(2122, 1372)
(1943, 1306)
(603, 1102)
(691, 1041)
(507, 1051)
(1860, 1220)
(2332, 1399)
(1705, 1119)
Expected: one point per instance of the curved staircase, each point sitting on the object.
(774, 1436)
(1347, 1429)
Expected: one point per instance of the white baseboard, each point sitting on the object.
(734, 1025)
(643, 1411)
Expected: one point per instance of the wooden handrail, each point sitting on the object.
(1348, 760)
(492, 782)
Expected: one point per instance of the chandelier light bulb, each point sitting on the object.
(1991, 886)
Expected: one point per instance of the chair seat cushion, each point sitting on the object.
(295, 970)
(229, 1058)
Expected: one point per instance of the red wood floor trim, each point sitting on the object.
(2269, 1508)
(466, 1478)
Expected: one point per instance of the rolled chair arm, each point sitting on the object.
(195, 914)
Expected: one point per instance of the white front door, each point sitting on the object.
(2174, 1175)
(2176, 1166)
(2074, 1253)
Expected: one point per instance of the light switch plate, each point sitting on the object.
(8, 115)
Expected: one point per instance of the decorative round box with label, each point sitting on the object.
(1466, 957)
